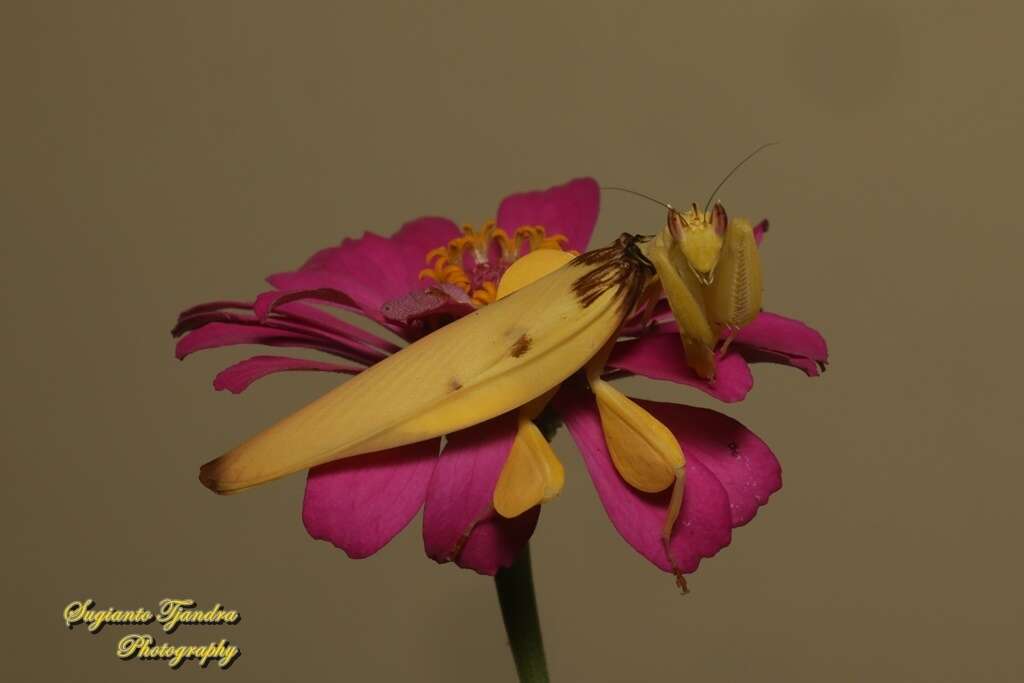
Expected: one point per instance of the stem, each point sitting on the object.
(519, 611)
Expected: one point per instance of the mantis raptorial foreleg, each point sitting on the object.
(686, 298)
(733, 299)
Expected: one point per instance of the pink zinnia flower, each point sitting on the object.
(430, 273)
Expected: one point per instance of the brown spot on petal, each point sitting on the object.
(454, 384)
(521, 346)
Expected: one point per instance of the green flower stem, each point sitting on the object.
(519, 610)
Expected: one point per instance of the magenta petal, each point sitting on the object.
(660, 356)
(423, 234)
(704, 525)
(459, 522)
(496, 542)
(778, 333)
(569, 209)
(274, 333)
(267, 301)
(783, 340)
(740, 460)
(288, 306)
(310, 280)
(372, 270)
(215, 311)
(752, 355)
(239, 376)
(212, 306)
(361, 503)
(217, 334)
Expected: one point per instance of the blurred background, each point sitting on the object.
(156, 155)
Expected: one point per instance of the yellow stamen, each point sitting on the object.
(447, 264)
(486, 295)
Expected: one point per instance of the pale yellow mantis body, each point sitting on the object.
(710, 270)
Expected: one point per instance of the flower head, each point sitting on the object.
(500, 319)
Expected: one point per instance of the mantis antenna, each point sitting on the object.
(734, 169)
(648, 198)
(710, 197)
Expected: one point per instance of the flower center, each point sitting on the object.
(475, 261)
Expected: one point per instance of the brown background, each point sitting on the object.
(160, 154)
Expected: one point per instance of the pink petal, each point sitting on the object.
(217, 311)
(740, 460)
(239, 376)
(267, 301)
(783, 340)
(361, 503)
(569, 210)
(704, 525)
(320, 328)
(426, 233)
(322, 279)
(217, 334)
(496, 542)
(752, 355)
(290, 306)
(459, 522)
(660, 356)
(212, 306)
(372, 270)
(778, 333)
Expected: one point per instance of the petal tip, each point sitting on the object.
(208, 476)
(215, 476)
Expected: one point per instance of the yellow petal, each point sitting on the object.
(643, 450)
(531, 268)
(531, 475)
(493, 360)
